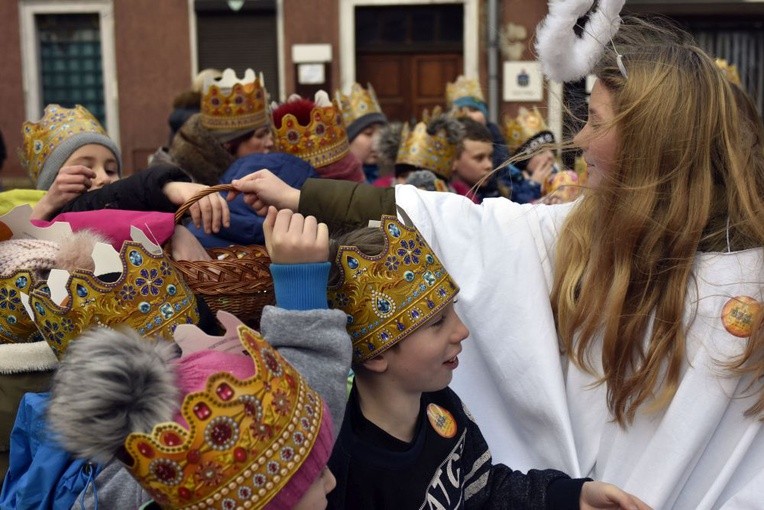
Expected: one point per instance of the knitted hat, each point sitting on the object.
(61, 131)
(389, 295)
(249, 432)
(232, 107)
(360, 109)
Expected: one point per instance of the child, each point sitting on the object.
(250, 431)
(407, 440)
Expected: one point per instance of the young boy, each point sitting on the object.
(472, 168)
(407, 440)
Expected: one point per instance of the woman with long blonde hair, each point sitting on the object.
(620, 336)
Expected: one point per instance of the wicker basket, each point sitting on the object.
(236, 280)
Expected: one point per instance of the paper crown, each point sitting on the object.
(425, 151)
(321, 142)
(150, 296)
(16, 326)
(526, 132)
(360, 109)
(389, 295)
(245, 440)
(233, 106)
(729, 70)
(463, 87)
(59, 127)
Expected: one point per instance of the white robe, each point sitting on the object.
(537, 410)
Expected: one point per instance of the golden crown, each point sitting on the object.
(231, 104)
(149, 296)
(16, 326)
(322, 142)
(56, 125)
(389, 295)
(358, 103)
(423, 150)
(729, 70)
(463, 87)
(526, 127)
(244, 441)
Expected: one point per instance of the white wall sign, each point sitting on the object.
(310, 74)
(523, 81)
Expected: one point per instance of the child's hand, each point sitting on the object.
(600, 495)
(185, 245)
(210, 212)
(262, 189)
(70, 183)
(291, 238)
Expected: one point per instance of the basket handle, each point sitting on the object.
(198, 196)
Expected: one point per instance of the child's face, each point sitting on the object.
(475, 162)
(363, 145)
(425, 360)
(100, 160)
(261, 142)
(315, 497)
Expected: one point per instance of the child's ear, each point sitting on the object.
(377, 364)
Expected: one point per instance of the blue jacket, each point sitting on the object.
(246, 226)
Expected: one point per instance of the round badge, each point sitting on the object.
(442, 421)
(738, 315)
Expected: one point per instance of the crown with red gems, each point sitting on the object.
(244, 441)
(322, 142)
(149, 295)
(230, 104)
(427, 151)
(388, 296)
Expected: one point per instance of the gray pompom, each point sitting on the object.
(454, 129)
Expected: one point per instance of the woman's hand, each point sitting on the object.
(291, 238)
(210, 212)
(70, 183)
(262, 189)
(600, 495)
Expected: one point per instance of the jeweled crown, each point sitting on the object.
(463, 87)
(388, 296)
(528, 127)
(56, 125)
(358, 103)
(322, 142)
(149, 296)
(233, 104)
(423, 150)
(16, 326)
(244, 441)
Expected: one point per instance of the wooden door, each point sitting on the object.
(407, 84)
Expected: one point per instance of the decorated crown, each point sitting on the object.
(729, 70)
(427, 151)
(16, 326)
(56, 126)
(388, 296)
(358, 103)
(322, 142)
(244, 441)
(526, 132)
(463, 87)
(149, 296)
(230, 104)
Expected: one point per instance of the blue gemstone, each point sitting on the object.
(81, 291)
(39, 308)
(350, 319)
(384, 336)
(166, 310)
(135, 258)
(429, 278)
(414, 314)
(430, 303)
(171, 290)
(11, 319)
(383, 305)
(144, 307)
(352, 263)
(394, 230)
(430, 259)
(408, 275)
(401, 327)
(21, 282)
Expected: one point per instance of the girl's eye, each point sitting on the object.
(440, 321)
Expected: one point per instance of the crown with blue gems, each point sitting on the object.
(388, 296)
(244, 438)
(427, 151)
(16, 326)
(149, 296)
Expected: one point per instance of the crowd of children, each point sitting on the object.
(609, 347)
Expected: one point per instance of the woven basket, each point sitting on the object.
(236, 280)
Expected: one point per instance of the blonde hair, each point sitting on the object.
(688, 177)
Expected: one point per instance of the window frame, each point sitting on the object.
(30, 55)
